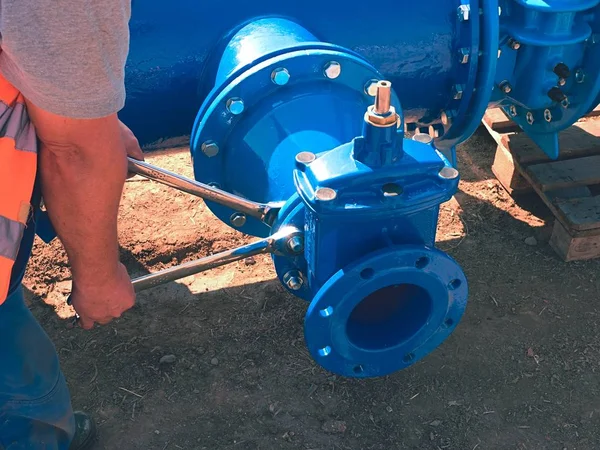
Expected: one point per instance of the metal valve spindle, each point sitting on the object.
(383, 98)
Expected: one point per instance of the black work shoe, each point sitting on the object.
(85, 432)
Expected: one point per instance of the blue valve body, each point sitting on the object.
(381, 296)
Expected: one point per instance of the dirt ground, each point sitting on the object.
(521, 371)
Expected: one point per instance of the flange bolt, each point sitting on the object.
(562, 70)
(238, 219)
(280, 76)
(515, 45)
(296, 244)
(293, 280)
(556, 95)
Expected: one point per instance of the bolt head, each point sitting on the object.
(562, 81)
(436, 131)
(463, 55)
(325, 194)
(423, 138)
(280, 76)
(506, 87)
(530, 119)
(457, 91)
(371, 87)
(303, 159)
(235, 106)
(293, 280)
(515, 45)
(446, 117)
(463, 12)
(296, 244)
(448, 173)
(238, 219)
(332, 70)
(210, 149)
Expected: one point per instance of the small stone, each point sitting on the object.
(436, 423)
(531, 241)
(196, 391)
(167, 359)
(334, 426)
(214, 362)
(156, 432)
(250, 261)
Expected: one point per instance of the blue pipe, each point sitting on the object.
(429, 55)
(176, 48)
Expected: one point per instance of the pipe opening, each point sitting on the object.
(389, 316)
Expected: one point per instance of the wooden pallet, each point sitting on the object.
(569, 186)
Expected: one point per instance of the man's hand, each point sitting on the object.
(83, 167)
(132, 146)
(103, 302)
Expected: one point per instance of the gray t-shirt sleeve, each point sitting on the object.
(67, 56)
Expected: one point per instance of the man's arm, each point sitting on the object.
(67, 57)
(83, 168)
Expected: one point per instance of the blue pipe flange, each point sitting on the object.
(301, 94)
(386, 311)
(549, 67)
(290, 265)
(464, 116)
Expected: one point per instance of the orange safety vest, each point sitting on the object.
(18, 167)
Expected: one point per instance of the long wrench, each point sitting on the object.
(271, 244)
(264, 212)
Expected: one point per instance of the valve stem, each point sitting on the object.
(383, 98)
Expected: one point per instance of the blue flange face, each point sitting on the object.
(249, 132)
(385, 312)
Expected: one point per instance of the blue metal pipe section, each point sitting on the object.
(307, 106)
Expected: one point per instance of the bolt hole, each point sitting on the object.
(325, 351)
(327, 311)
(367, 274)
(408, 357)
(358, 369)
(454, 284)
(391, 190)
(449, 322)
(422, 262)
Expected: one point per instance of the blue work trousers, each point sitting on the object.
(35, 404)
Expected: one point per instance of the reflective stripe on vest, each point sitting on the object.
(18, 166)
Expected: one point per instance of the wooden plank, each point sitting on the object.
(572, 247)
(495, 119)
(580, 213)
(550, 198)
(501, 123)
(562, 174)
(508, 173)
(581, 139)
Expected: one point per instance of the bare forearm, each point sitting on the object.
(82, 186)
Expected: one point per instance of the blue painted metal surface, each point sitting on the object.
(381, 297)
(277, 98)
(297, 94)
(441, 57)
